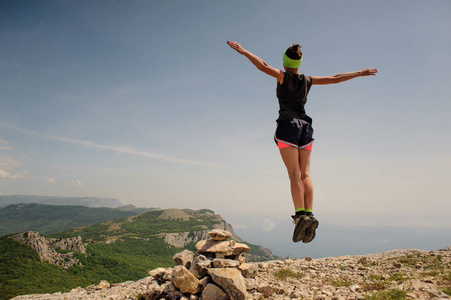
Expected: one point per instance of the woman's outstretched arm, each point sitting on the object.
(342, 77)
(257, 61)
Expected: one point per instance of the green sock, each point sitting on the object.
(309, 212)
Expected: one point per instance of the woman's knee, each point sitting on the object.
(305, 175)
(295, 176)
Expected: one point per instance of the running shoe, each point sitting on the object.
(301, 224)
(310, 232)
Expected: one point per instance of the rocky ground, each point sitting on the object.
(397, 274)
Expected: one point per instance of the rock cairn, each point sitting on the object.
(218, 271)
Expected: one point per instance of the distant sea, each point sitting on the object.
(335, 240)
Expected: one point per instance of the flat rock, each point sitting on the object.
(225, 263)
(226, 248)
(219, 235)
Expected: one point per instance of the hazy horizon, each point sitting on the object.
(362, 239)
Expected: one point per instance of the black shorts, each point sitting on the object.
(294, 132)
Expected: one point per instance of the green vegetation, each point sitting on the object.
(388, 295)
(283, 274)
(377, 286)
(21, 272)
(144, 226)
(375, 277)
(339, 282)
(47, 219)
(398, 276)
(369, 264)
(117, 251)
(446, 282)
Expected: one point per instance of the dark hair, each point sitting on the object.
(294, 52)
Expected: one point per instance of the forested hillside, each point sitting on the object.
(116, 250)
(48, 219)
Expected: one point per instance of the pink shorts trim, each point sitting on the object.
(282, 145)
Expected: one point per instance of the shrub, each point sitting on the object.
(283, 274)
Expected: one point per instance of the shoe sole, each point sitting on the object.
(300, 229)
(311, 232)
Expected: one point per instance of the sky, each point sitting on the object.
(143, 101)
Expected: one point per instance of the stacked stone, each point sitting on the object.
(218, 271)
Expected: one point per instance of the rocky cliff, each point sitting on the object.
(46, 248)
(181, 239)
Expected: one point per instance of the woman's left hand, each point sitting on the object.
(237, 47)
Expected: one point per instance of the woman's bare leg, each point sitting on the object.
(291, 159)
(304, 163)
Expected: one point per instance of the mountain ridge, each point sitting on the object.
(55, 200)
(48, 219)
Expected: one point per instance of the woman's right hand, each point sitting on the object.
(369, 72)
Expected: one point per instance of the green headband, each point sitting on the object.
(291, 63)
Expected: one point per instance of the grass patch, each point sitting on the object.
(409, 260)
(370, 263)
(283, 274)
(340, 282)
(446, 277)
(388, 295)
(398, 277)
(375, 277)
(378, 286)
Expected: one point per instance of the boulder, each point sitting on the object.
(251, 284)
(175, 295)
(219, 235)
(168, 287)
(213, 292)
(103, 284)
(242, 258)
(205, 280)
(231, 281)
(161, 274)
(266, 290)
(185, 281)
(157, 273)
(248, 270)
(184, 258)
(154, 290)
(200, 266)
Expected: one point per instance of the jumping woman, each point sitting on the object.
(294, 132)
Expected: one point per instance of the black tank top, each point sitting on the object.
(292, 95)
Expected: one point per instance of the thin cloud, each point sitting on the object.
(267, 225)
(4, 145)
(77, 182)
(117, 149)
(8, 165)
(50, 180)
(6, 175)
